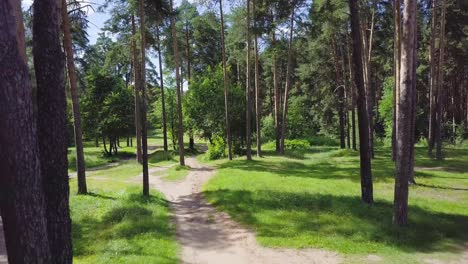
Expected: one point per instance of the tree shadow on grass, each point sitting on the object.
(131, 229)
(97, 195)
(454, 160)
(282, 216)
(322, 169)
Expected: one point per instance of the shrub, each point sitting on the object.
(217, 149)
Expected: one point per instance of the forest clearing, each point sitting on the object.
(244, 131)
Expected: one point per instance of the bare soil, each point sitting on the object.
(208, 236)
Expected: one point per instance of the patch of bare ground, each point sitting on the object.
(208, 236)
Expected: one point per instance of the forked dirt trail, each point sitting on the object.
(208, 236)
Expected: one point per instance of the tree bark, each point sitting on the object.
(440, 84)
(22, 202)
(179, 88)
(365, 162)
(432, 80)
(144, 135)
(339, 88)
(163, 104)
(68, 47)
(288, 82)
(49, 64)
(397, 62)
(137, 89)
(404, 165)
(258, 106)
(225, 83)
(353, 94)
(248, 131)
(277, 96)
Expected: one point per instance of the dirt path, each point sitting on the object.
(208, 236)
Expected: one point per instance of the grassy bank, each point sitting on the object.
(312, 199)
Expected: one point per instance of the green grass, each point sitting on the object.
(176, 173)
(115, 224)
(312, 199)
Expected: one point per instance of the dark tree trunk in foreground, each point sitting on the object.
(68, 47)
(404, 164)
(49, 64)
(288, 82)
(163, 103)
(144, 137)
(137, 89)
(365, 161)
(179, 88)
(248, 110)
(225, 83)
(22, 201)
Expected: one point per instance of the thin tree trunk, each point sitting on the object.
(258, 107)
(49, 64)
(288, 82)
(225, 83)
(346, 98)
(339, 88)
(179, 88)
(137, 89)
(440, 83)
(365, 160)
(277, 96)
(144, 135)
(189, 77)
(353, 94)
(367, 81)
(397, 63)
(413, 106)
(248, 90)
(105, 146)
(22, 205)
(163, 104)
(67, 44)
(404, 115)
(432, 80)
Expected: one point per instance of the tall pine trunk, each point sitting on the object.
(49, 65)
(258, 106)
(365, 159)
(432, 80)
(137, 90)
(180, 128)
(440, 84)
(163, 103)
(248, 131)
(339, 88)
(277, 96)
(288, 82)
(353, 93)
(396, 70)
(22, 204)
(68, 47)
(225, 83)
(404, 117)
(144, 135)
